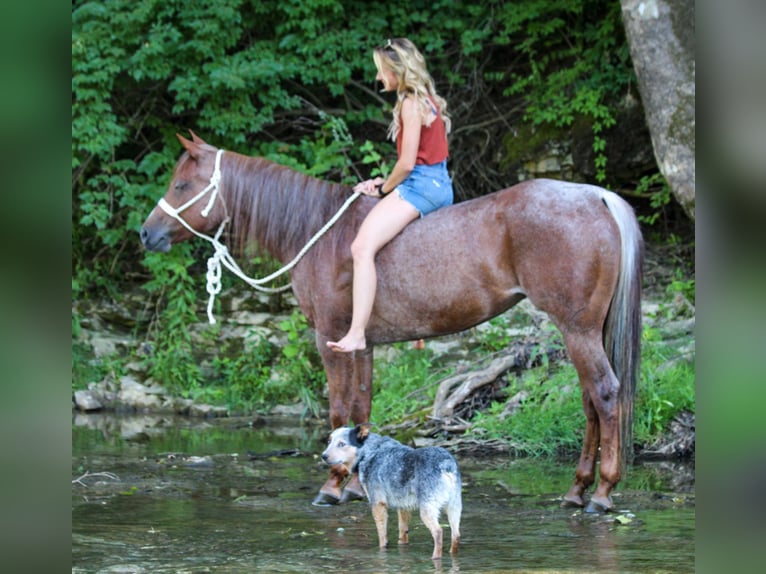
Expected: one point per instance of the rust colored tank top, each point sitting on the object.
(433, 141)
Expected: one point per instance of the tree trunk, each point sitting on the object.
(661, 38)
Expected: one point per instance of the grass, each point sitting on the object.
(404, 384)
(550, 420)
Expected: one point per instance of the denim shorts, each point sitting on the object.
(428, 187)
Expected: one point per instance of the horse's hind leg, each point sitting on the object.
(585, 475)
(600, 389)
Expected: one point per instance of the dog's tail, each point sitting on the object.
(452, 484)
(454, 506)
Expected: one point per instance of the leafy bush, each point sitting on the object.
(666, 388)
(173, 362)
(404, 384)
(549, 420)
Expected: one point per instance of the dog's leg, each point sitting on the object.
(380, 515)
(430, 518)
(404, 526)
(453, 515)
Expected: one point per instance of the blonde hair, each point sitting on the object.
(409, 66)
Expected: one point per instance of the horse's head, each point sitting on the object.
(192, 196)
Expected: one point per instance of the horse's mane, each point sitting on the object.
(274, 208)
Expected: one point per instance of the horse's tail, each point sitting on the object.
(622, 329)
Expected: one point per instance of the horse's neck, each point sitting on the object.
(277, 208)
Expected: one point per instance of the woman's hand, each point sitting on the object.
(369, 187)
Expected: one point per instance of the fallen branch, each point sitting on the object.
(446, 400)
(109, 475)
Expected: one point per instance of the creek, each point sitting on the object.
(178, 494)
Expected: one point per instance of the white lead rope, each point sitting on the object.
(221, 255)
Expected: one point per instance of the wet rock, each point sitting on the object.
(198, 461)
(106, 344)
(138, 396)
(207, 411)
(87, 401)
(289, 410)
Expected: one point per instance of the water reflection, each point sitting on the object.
(241, 513)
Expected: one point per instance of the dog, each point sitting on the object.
(398, 476)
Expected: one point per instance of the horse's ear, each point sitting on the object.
(192, 147)
(196, 139)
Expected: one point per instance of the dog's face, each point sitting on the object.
(343, 445)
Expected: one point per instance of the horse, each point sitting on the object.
(574, 250)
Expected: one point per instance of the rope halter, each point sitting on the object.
(221, 255)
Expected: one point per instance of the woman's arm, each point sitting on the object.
(405, 163)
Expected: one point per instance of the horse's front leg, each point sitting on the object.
(349, 382)
(360, 395)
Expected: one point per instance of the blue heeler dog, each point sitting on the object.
(398, 476)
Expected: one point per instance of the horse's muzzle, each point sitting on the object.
(155, 239)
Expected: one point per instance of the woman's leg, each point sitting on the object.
(383, 223)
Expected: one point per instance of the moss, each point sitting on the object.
(682, 20)
(681, 128)
(527, 141)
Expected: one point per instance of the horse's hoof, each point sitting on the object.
(598, 506)
(323, 499)
(350, 495)
(572, 502)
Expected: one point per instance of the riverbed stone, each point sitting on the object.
(136, 395)
(208, 411)
(87, 400)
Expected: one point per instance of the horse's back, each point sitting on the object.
(524, 225)
(553, 242)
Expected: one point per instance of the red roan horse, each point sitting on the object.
(574, 250)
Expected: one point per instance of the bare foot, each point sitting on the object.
(420, 344)
(348, 344)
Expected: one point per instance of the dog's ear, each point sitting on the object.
(361, 432)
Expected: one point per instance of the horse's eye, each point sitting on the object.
(181, 185)
(341, 444)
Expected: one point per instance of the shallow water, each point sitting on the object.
(187, 497)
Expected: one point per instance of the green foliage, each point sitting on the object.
(404, 386)
(301, 366)
(173, 361)
(683, 286)
(550, 419)
(666, 388)
(659, 196)
(88, 369)
(496, 334)
(577, 64)
(373, 158)
(257, 376)
(240, 377)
